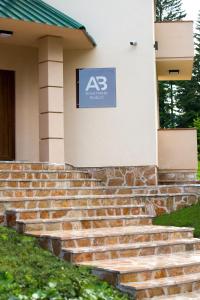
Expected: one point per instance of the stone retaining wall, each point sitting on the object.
(158, 205)
(176, 176)
(125, 176)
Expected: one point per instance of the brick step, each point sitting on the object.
(72, 212)
(49, 183)
(181, 296)
(44, 174)
(141, 269)
(111, 236)
(82, 223)
(22, 165)
(81, 254)
(163, 287)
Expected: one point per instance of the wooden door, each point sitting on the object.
(7, 115)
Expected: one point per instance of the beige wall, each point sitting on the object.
(122, 136)
(175, 49)
(126, 135)
(177, 149)
(24, 61)
(175, 39)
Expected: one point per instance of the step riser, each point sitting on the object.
(37, 204)
(49, 184)
(72, 213)
(113, 279)
(78, 225)
(52, 245)
(41, 192)
(167, 290)
(178, 182)
(33, 204)
(33, 167)
(43, 175)
(60, 192)
(2, 220)
(94, 256)
(157, 274)
(125, 239)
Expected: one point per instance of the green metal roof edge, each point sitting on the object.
(37, 11)
(90, 38)
(74, 23)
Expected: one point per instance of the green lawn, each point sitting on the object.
(29, 273)
(198, 174)
(186, 217)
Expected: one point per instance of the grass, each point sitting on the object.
(198, 172)
(28, 272)
(185, 217)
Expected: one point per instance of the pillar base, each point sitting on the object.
(52, 150)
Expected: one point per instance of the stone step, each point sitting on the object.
(112, 236)
(7, 203)
(97, 190)
(48, 183)
(23, 165)
(154, 203)
(51, 192)
(167, 287)
(178, 182)
(81, 254)
(71, 212)
(93, 200)
(141, 269)
(82, 223)
(181, 296)
(70, 201)
(11, 203)
(44, 174)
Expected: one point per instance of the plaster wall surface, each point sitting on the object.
(125, 135)
(177, 149)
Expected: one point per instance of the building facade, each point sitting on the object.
(41, 52)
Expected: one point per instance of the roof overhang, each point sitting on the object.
(26, 33)
(183, 66)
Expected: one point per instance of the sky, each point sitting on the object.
(192, 8)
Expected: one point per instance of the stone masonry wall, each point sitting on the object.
(169, 198)
(125, 176)
(159, 205)
(176, 176)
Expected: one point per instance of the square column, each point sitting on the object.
(51, 99)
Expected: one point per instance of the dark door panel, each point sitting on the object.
(7, 115)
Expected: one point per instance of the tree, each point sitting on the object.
(196, 124)
(165, 108)
(168, 10)
(188, 92)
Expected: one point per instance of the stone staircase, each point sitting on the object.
(84, 222)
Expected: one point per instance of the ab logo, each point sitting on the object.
(96, 87)
(99, 83)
